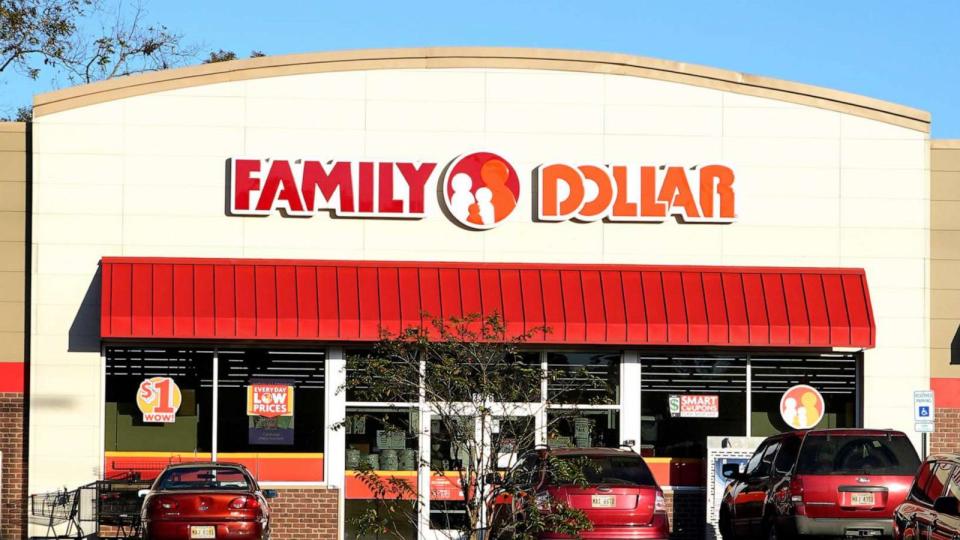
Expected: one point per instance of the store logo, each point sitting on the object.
(159, 398)
(480, 190)
(802, 406)
(635, 194)
(269, 400)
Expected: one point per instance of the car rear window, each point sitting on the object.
(858, 454)
(203, 478)
(614, 470)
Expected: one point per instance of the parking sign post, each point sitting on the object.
(924, 413)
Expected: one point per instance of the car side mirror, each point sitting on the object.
(142, 493)
(731, 471)
(270, 493)
(946, 505)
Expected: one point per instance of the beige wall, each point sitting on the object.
(13, 166)
(945, 256)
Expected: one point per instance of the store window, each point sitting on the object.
(583, 393)
(269, 411)
(834, 376)
(583, 378)
(372, 378)
(583, 428)
(158, 401)
(716, 384)
(381, 453)
(270, 414)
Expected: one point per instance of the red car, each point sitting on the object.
(206, 500)
(622, 500)
(932, 510)
(832, 482)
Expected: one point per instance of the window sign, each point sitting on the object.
(802, 406)
(159, 398)
(270, 412)
(694, 406)
(269, 400)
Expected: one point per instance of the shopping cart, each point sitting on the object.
(58, 510)
(118, 507)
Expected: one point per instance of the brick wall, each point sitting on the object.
(14, 488)
(302, 514)
(687, 512)
(947, 436)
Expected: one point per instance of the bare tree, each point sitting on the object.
(51, 33)
(82, 41)
(477, 387)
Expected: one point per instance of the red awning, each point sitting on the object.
(246, 299)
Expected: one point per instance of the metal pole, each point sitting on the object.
(749, 398)
(214, 447)
(923, 445)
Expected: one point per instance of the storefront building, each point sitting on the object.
(202, 249)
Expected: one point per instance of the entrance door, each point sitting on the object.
(506, 430)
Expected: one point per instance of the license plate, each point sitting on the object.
(603, 501)
(203, 531)
(862, 499)
(864, 532)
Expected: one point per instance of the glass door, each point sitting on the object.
(456, 446)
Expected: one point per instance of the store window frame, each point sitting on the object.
(214, 359)
(541, 408)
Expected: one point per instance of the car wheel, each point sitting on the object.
(771, 532)
(726, 526)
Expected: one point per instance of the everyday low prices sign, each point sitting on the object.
(269, 400)
(695, 405)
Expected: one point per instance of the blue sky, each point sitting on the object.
(905, 52)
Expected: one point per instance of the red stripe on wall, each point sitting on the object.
(11, 377)
(946, 392)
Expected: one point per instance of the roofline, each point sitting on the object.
(481, 57)
(945, 144)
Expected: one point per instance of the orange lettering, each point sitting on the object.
(598, 207)
(677, 194)
(622, 208)
(551, 208)
(649, 207)
(717, 180)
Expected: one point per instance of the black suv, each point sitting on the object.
(931, 511)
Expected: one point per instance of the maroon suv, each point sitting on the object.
(833, 482)
(622, 499)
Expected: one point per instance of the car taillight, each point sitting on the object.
(166, 504)
(660, 504)
(796, 491)
(244, 503)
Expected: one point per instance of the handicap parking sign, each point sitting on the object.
(923, 406)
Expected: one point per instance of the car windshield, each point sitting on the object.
(190, 478)
(858, 454)
(617, 470)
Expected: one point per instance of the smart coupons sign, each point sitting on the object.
(694, 405)
(159, 398)
(480, 190)
(269, 400)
